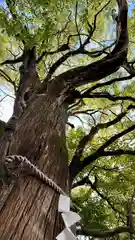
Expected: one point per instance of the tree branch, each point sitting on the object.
(98, 85)
(117, 136)
(92, 29)
(97, 70)
(13, 61)
(106, 66)
(62, 59)
(118, 152)
(62, 48)
(7, 78)
(98, 53)
(107, 96)
(100, 151)
(102, 233)
(87, 181)
(76, 165)
(29, 80)
(65, 47)
(129, 67)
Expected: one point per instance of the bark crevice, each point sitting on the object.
(32, 204)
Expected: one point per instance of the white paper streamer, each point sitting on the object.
(64, 203)
(66, 234)
(69, 218)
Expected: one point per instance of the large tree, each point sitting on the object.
(47, 93)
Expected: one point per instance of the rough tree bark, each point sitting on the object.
(30, 209)
(40, 136)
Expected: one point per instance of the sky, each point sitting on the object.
(6, 105)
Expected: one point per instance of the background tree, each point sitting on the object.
(48, 51)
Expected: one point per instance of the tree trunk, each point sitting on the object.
(30, 211)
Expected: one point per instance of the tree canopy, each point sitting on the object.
(82, 41)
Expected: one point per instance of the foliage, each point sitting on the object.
(103, 200)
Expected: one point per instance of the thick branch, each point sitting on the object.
(98, 85)
(118, 152)
(129, 67)
(29, 80)
(62, 48)
(76, 165)
(81, 182)
(109, 64)
(102, 234)
(93, 131)
(62, 59)
(66, 56)
(107, 96)
(13, 61)
(117, 136)
(100, 151)
(79, 50)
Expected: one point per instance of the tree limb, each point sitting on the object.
(107, 65)
(66, 56)
(118, 152)
(61, 60)
(76, 165)
(117, 136)
(99, 52)
(102, 233)
(100, 151)
(62, 48)
(92, 29)
(129, 67)
(87, 181)
(79, 50)
(13, 61)
(7, 78)
(98, 85)
(107, 96)
(29, 80)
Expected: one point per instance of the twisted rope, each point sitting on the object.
(18, 164)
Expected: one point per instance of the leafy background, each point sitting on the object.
(48, 24)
